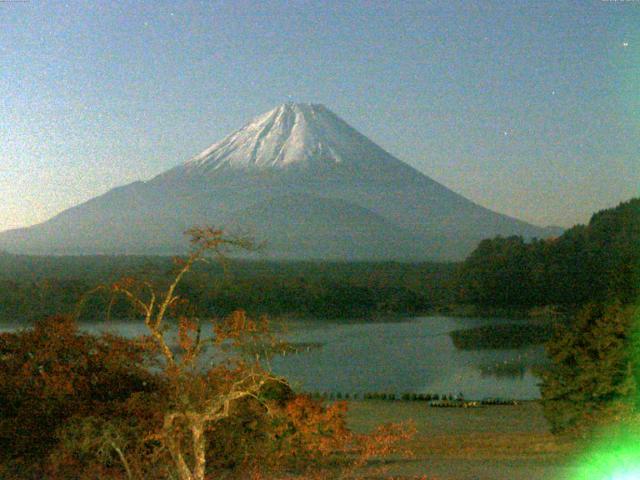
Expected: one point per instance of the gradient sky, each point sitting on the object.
(529, 108)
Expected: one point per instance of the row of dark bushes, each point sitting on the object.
(405, 397)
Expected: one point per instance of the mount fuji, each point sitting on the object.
(298, 177)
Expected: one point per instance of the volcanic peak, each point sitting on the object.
(292, 134)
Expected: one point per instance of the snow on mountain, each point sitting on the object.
(287, 135)
(293, 136)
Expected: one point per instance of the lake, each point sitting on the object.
(413, 355)
(416, 356)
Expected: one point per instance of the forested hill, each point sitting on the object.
(595, 262)
(33, 287)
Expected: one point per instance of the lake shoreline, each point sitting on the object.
(493, 442)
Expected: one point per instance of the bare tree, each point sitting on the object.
(199, 402)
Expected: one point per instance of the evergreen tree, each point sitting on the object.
(593, 377)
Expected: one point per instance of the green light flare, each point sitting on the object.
(614, 458)
(615, 452)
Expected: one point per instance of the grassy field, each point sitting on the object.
(485, 443)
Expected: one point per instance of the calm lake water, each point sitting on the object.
(413, 355)
(416, 355)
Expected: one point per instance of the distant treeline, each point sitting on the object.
(501, 336)
(597, 262)
(33, 287)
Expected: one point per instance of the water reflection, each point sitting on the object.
(413, 355)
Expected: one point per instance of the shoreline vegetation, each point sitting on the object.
(539, 314)
(502, 336)
(33, 287)
(429, 399)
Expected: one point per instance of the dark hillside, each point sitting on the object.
(35, 286)
(595, 262)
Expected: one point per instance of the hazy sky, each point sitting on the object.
(531, 108)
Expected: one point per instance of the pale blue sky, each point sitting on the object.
(529, 108)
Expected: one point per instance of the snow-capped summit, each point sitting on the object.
(291, 136)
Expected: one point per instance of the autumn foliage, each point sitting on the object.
(74, 405)
(52, 375)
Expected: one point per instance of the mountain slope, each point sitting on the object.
(307, 226)
(298, 169)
